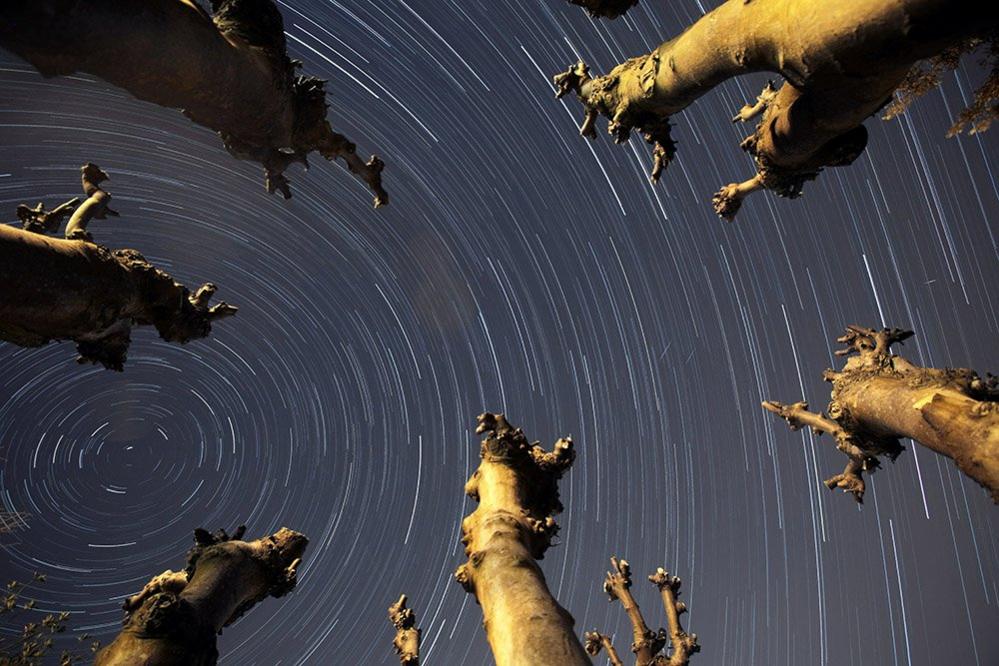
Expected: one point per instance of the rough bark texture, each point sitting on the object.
(516, 485)
(75, 290)
(841, 63)
(229, 71)
(407, 635)
(174, 620)
(879, 398)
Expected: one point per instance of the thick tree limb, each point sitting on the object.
(229, 72)
(840, 63)
(407, 634)
(646, 644)
(174, 620)
(516, 485)
(76, 290)
(879, 398)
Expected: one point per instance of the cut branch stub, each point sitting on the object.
(407, 635)
(594, 642)
(603, 95)
(879, 398)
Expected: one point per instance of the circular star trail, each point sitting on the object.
(520, 268)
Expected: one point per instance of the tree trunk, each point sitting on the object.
(516, 485)
(229, 72)
(841, 61)
(879, 398)
(74, 290)
(174, 620)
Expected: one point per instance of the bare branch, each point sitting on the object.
(228, 71)
(879, 398)
(407, 634)
(815, 119)
(683, 644)
(176, 616)
(516, 486)
(646, 644)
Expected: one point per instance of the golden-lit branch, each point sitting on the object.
(228, 71)
(516, 486)
(407, 634)
(683, 644)
(646, 644)
(879, 398)
(174, 619)
(76, 290)
(841, 63)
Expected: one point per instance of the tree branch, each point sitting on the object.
(407, 634)
(176, 616)
(684, 644)
(90, 294)
(229, 72)
(879, 398)
(605, 8)
(646, 644)
(814, 120)
(516, 486)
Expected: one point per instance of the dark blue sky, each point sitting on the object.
(518, 269)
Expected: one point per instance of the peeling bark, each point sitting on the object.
(879, 398)
(407, 635)
(229, 72)
(77, 290)
(516, 485)
(174, 620)
(841, 63)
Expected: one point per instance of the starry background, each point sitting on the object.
(522, 269)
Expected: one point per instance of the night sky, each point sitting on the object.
(523, 269)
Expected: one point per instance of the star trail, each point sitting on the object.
(521, 269)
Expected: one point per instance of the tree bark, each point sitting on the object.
(174, 620)
(516, 485)
(841, 61)
(74, 290)
(879, 398)
(229, 72)
(407, 635)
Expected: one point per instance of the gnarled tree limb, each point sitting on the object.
(516, 485)
(174, 620)
(841, 63)
(879, 398)
(683, 644)
(407, 635)
(229, 72)
(76, 290)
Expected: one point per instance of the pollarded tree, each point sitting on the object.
(174, 619)
(516, 486)
(879, 398)
(76, 290)
(841, 63)
(228, 71)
